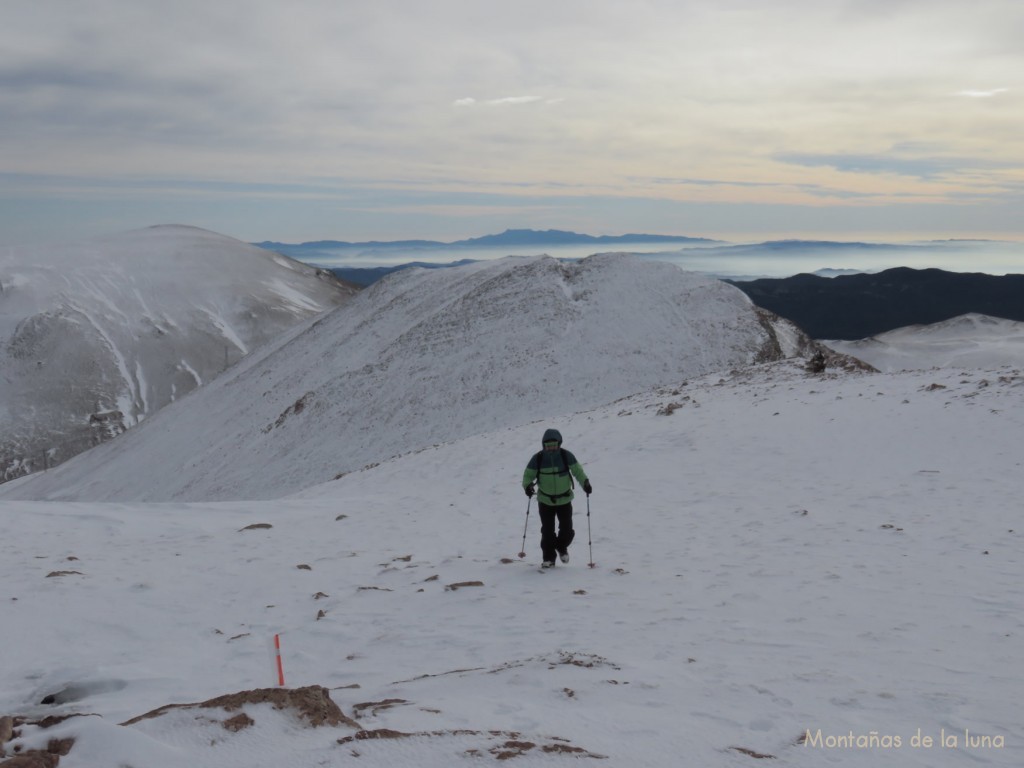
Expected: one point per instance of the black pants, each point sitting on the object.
(550, 542)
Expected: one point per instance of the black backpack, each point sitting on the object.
(565, 463)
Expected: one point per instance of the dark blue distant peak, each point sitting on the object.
(562, 237)
(508, 237)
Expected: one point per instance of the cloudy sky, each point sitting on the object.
(350, 119)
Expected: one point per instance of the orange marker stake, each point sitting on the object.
(280, 667)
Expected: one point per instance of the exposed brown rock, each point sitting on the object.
(51, 720)
(753, 754)
(460, 584)
(511, 749)
(567, 749)
(379, 733)
(32, 760)
(60, 746)
(512, 744)
(376, 706)
(312, 703)
(41, 758)
(238, 722)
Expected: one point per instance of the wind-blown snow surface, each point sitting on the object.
(968, 340)
(120, 326)
(782, 556)
(421, 357)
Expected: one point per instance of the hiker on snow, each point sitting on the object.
(552, 470)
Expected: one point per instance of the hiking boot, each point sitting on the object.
(548, 564)
(564, 556)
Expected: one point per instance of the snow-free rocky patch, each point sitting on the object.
(216, 727)
(312, 704)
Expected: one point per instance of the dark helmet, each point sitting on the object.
(552, 436)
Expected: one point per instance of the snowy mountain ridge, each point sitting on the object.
(422, 357)
(98, 335)
(969, 341)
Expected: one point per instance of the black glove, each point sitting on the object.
(528, 489)
(587, 487)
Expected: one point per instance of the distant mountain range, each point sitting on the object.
(510, 237)
(552, 237)
(858, 306)
(561, 237)
(364, 276)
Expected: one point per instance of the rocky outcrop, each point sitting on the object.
(312, 704)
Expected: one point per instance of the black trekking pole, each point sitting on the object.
(522, 552)
(590, 541)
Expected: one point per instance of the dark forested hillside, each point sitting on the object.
(858, 306)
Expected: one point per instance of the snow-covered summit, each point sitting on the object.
(970, 341)
(97, 335)
(422, 357)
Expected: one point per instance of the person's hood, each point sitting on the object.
(552, 436)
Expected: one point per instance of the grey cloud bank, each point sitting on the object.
(324, 119)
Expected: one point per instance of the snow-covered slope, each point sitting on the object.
(98, 335)
(422, 357)
(815, 569)
(967, 341)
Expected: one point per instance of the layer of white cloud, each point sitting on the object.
(982, 94)
(505, 101)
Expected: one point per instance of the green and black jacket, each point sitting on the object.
(553, 470)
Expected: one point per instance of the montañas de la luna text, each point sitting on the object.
(877, 740)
